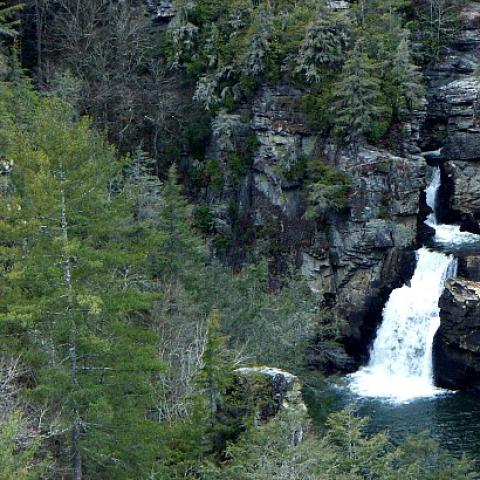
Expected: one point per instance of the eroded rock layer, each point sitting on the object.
(457, 342)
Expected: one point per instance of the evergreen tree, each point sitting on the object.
(356, 96)
(438, 22)
(214, 378)
(71, 295)
(322, 50)
(405, 80)
(7, 25)
(255, 61)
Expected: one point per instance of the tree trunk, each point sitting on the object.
(39, 31)
(67, 279)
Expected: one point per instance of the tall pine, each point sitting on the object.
(356, 95)
(72, 300)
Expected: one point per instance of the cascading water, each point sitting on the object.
(400, 366)
(448, 236)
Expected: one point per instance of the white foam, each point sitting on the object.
(445, 235)
(400, 366)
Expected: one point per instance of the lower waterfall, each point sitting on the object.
(400, 366)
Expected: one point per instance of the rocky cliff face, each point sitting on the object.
(352, 259)
(452, 122)
(457, 342)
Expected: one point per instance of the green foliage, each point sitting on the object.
(241, 44)
(328, 190)
(323, 48)
(298, 169)
(203, 218)
(356, 97)
(434, 24)
(71, 298)
(271, 328)
(19, 450)
(344, 452)
(214, 378)
(7, 25)
(357, 69)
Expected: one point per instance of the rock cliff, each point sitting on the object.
(354, 258)
(457, 342)
(452, 121)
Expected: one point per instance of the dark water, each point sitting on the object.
(452, 419)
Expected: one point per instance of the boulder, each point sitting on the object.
(469, 267)
(456, 349)
(162, 10)
(275, 389)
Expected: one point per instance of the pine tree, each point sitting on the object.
(405, 79)
(356, 95)
(182, 253)
(214, 379)
(72, 300)
(322, 50)
(7, 25)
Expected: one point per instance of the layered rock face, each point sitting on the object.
(457, 342)
(453, 121)
(352, 259)
(368, 252)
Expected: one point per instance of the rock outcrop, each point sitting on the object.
(272, 390)
(456, 349)
(162, 10)
(469, 267)
(453, 121)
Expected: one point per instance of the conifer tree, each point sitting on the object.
(214, 378)
(71, 297)
(355, 97)
(7, 24)
(405, 79)
(322, 48)
(18, 461)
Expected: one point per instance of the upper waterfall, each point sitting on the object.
(445, 235)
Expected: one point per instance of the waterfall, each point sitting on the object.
(432, 194)
(400, 366)
(448, 236)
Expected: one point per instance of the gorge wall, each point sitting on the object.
(452, 124)
(354, 258)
